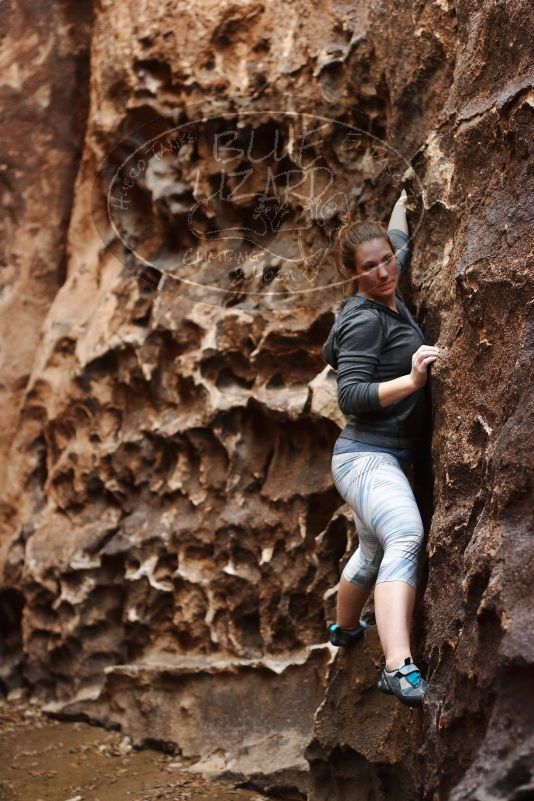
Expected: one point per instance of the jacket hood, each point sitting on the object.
(329, 349)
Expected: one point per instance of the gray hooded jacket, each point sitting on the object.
(369, 343)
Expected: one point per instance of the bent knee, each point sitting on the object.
(361, 570)
(362, 577)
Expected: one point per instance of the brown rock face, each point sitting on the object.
(170, 536)
(472, 268)
(44, 97)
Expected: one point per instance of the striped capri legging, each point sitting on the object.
(386, 515)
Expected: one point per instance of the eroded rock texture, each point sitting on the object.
(170, 533)
(472, 267)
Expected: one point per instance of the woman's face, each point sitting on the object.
(376, 269)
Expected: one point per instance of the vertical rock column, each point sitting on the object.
(472, 267)
(45, 96)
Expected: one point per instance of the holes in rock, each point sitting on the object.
(477, 587)
(276, 382)
(65, 346)
(345, 774)
(236, 276)
(517, 784)
(232, 368)
(188, 393)
(177, 236)
(103, 366)
(329, 78)
(478, 434)
(247, 625)
(62, 484)
(112, 568)
(259, 82)
(142, 321)
(136, 640)
(297, 365)
(148, 278)
(227, 379)
(209, 63)
(490, 635)
(334, 542)
(188, 642)
(284, 637)
(321, 507)
(65, 656)
(320, 329)
(244, 558)
(279, 555)
(262, 46)
(394, 782)
(158, 70)
(161, 608)
(165, 567)
(299, 604)
(60, 432)
(160, 745)
(140, 125)
(39, 475)
(11, 609)
(269, 274)
(199, 552)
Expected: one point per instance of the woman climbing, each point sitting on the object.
(381, 359)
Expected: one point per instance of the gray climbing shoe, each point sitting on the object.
(405, 682)
(343, 637)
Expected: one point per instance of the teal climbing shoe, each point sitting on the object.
(343, 637)
(405, 682)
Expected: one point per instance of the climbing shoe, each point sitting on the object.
(340, 637)
(405, 682)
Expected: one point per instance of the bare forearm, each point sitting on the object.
(395, 390)
(398, 215)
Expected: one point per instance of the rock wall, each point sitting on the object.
(44, 94)
(170, 536)
(472, 270)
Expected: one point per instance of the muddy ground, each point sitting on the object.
(48, 760)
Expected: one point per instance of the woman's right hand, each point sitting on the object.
(422, 358)
(402, 199)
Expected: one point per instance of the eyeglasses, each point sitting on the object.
(386, 261)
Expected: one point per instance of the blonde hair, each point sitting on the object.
(351, 234)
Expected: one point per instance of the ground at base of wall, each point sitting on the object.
(49, 760)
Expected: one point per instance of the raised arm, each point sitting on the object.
(398, 232)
